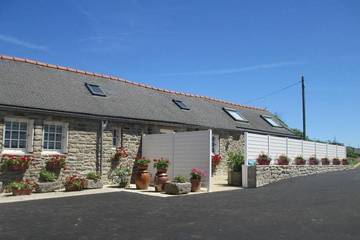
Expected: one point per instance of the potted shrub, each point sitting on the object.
(21, 187)
(47, 182)
(121, 176)
(300, 160)
(234, 162)
(16, 163)
(161, 177)
(283, 160)
(142, 177)
(215, 160)
(74, 183)
(195, 179)
(345, 161)
(313, 161)
(56, 163)
(325, 161)
(336, 161)
(93, 180)
(178, 186)
(263, 159)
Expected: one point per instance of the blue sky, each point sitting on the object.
(232, 50)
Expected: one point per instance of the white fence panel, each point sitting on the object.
(275, 146)
(294, 148)
(321, 151)
(341, 152)
(278, 146)
(259, 144)
(192, 150)
(331, 151)
(185, 150)
(308, 149)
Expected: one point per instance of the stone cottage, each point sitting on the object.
(47, 109)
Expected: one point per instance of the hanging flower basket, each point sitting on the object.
(325, 161)
(56, 163)
(263, 159)
(336, 161)
(283, 160)
(313, 161)
(16, 163)
(216, 159)
(345, 162)
(300, 161)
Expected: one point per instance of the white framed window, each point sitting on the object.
(271, 121)
(215, 144)
(55, 137)
(116, 137)
(234, 114)
(18, 135)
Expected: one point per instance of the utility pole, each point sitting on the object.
(303, 106)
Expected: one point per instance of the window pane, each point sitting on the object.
(14, 135)
(51, 136)
(46, 136)
(58, 145)
(7, 144)
(58, 137)
(23, 126)
(7, 135)
(22, 144)
(46, 128)
(14, 144)
(7, 125)
(51, 145)
(15, 126)
(23, 135)
(59, 129)
(52, 128)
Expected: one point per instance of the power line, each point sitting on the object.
(273, 93)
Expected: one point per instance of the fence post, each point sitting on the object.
(246, 149)
(209, 162)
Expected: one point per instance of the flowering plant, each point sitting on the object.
(325, 161)
(283, 160)
(121, 152)
(345, 162)
(313, 161)
(263, 159)
(56, 162)
(216, 159)
(21, 185)
(336, 161)
(74, 183)
(161, 163)
(16, 163)
(300, 160)
(197, 174)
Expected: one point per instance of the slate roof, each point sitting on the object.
(36, 85)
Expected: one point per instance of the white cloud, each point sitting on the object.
(21, 43)
(233, 70)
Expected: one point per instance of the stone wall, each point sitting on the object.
(274, 173)
(229, 142)
(82, 146)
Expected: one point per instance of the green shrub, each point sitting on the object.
(93, 176)
(180, 179)
(235, 160)
(47, 176)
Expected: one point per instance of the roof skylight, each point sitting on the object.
(271, 121)
(235, 115)
(95, 89)
(181, 104)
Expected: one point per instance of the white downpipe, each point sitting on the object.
(210, 165)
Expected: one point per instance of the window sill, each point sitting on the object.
(14, 152)
(52, 153)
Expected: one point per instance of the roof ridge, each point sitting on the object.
(17, 59)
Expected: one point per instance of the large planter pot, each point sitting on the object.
(175, 188)
(142, 167)
(18, 192)
(142, 180)
(195, 185)
(234, 178)
(160, 180)
(93, 184)
(43, 187)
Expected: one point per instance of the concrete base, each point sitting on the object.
(248, 176)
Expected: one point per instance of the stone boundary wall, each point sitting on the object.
(274, 173)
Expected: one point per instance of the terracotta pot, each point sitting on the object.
(18, 192)
(160, 180)
(142, 180)
(160, 171)
(142, 167)
(195, 185)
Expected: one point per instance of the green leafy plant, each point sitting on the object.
(180, 179)
(283, 160)
(121, 176)
(142, 161)
(56, 162)
(47, 176)
(161, 163)
(197, 174)
(15, 163)
(235, 160)
(74, 183)
(93, 176)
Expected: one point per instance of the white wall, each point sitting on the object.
(185, 150)
(276, 146)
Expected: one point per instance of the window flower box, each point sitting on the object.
(16, 163)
